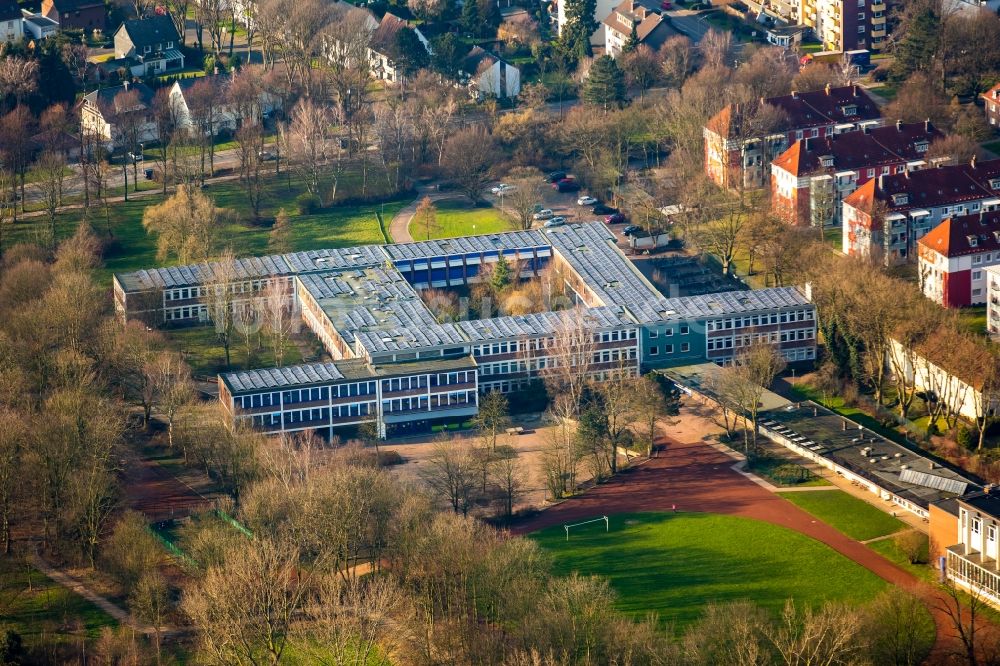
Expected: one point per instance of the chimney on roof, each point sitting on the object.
(972, 162)
(125, 84)
(828, 89)
(795, 94)
(881, 180)
(899, 125)
(927, 125)
(854, 89)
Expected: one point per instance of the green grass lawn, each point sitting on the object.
(456, 217)
(855, 518)
(888, 549)
(973, 319)
(47, 609)
(131, 248)
(206, 356)
(674, 564)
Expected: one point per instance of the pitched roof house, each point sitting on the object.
(149, 46)
(887, 215)
(953, 257)
(639, 16)
(810, 179)
(730, 147)
(489, 74)
(11, 24)
(99, 108)
(991, 106)
(86, 15)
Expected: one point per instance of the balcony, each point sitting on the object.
(878, 7)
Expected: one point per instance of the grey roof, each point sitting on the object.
(104, 98)
(36, 19)
(511, 240)
(286, 377)
(592, 251)
(151, 31)
(542, 323)
(718, 305)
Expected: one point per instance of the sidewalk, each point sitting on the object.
(399, 228)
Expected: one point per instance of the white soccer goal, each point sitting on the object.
(607, 527)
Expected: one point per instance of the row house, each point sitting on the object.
(742, 140)
(953, 257)
(810, 180)
(885, 217)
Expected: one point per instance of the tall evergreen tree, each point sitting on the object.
(580, 25)
(919, 44)
(501, 277)
(470, 19)
(448, 52)
(633, 41)
(605, 84)
(408, 52)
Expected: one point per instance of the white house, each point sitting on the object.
(149, 46)
(488, 74)
(602, 9)
(227, 117)
(961, 387)
(99, 108)
(11, 23)
(993, 302)
(38, 26)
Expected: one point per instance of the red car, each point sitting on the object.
(567, 185)
(615, 218)
(666, 4)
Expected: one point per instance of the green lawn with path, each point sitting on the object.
(129, 247)
(457, 217)
(890, 550)
(46, 608)
(854, 517)
(202, 350)
(674, 564)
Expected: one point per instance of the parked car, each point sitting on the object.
(265, 156)
(543, 214)
(567, 185)
(603, 209)
(555, 176)
(615, 218)
(666, 5)
(502, 188)
(631, 229)
(555, 222)
(135, 157)
(586, 201)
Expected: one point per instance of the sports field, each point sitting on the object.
(673, 564)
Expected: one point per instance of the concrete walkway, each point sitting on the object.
(399, 228)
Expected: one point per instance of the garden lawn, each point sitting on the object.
(456, 217)
(890, 550)
(131, 248)
(674, 564)
(48, 608)
(855, 518)
(205, 354)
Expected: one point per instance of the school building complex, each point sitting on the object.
(396, 363)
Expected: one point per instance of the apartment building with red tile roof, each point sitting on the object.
(953, 256)
(810, 180)
(743, 139)
(886, 216)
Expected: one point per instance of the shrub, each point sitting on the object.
(307, 203)
(913, 544)
(880, 74)
(965, 438)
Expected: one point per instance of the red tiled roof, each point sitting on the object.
(954, 236)
(850, 151)
(938, 186)
(993, 94)
(817, 108)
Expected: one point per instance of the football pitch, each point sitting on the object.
(674, 564)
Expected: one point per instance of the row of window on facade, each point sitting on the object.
(789, 355)
(295, 417)
(251, 286)
(971, 574)
(542, 363)
(534, 344)
(318, 393)
(668, 331)
(774, 337)
(760, 320)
